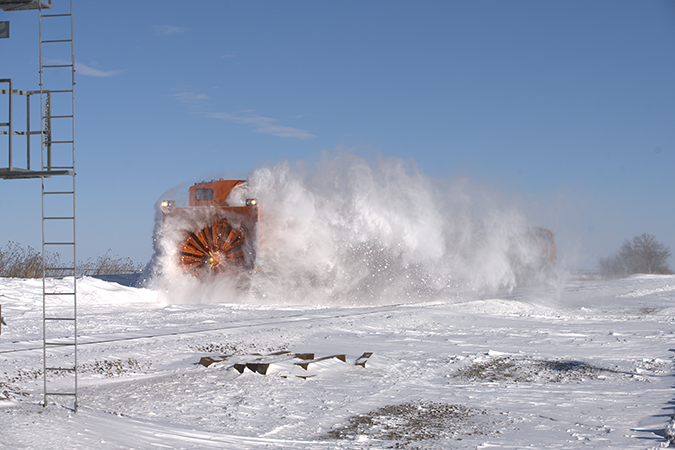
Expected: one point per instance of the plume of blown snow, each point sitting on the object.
(352, 230)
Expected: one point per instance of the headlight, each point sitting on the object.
(251, 202)
(168, 204)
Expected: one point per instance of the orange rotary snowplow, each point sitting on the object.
(218, 228)
(545, 241)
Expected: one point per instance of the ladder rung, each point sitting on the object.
(56, 15)
(59, 293)
(60, 318)
(51, 41)
(59, 218)
(61, 393)
(52, 66)
(59, 243)
(57, 344)
(62, 369)
(59, 91)
(59, 268)
(58, 142)
(58, 192)
(59, 117)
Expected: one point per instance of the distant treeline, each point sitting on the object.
(642, 254)
(19, 262)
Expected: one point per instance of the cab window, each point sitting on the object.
(203, 194)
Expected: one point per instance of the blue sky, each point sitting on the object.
(568, 107)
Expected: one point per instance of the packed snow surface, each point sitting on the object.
(586, 365)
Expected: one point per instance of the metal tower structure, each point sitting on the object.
(56, 171)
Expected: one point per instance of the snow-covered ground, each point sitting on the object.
(589, 365)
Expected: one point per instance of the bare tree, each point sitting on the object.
(642, 254)
(612, 267)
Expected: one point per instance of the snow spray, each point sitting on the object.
(352, 230)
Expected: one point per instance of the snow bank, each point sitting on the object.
(588, 366)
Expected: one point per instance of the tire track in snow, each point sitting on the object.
(298, 317)
(518, 295)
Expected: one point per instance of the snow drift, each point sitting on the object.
(592, 369)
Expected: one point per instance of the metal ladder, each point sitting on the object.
(59, 281)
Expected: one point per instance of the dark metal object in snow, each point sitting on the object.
(361, 361)
(306, 364)
(256, 359)
(2, 320)
(206, 361)
(258, 363)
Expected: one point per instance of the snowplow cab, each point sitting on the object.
(212, 193)
(218, 228)
(545, 240)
